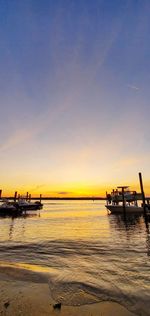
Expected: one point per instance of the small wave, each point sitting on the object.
(23, 272)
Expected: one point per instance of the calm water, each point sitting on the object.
(86, 255)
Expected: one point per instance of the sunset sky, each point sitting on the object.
(74, 96)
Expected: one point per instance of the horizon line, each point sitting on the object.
(59, 198)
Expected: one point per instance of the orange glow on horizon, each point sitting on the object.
(69, 190)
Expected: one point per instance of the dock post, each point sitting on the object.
(106, 199)
(27, 196)
(123, 202)
(40, 197)
(143, 194)
(0, 194)
(15, 196)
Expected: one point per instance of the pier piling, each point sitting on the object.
(142, 193)
(15, 196)
(40, 197)
(27, 196)
(123, 201)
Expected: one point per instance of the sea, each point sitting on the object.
(85, 254)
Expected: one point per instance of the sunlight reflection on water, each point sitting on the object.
(82, 249)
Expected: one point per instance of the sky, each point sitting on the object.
(74, 96)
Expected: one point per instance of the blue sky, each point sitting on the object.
(74, 92)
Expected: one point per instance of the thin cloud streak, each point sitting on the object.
(40, 123)
(133, 87)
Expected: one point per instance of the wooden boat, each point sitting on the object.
(123, 201)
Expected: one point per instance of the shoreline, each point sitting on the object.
(90, 198)
(25, 297)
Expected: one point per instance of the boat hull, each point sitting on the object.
(30, 207)
(4, 211)
(25, 206)
(118, 209)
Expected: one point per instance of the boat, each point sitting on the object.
(23, 204)
(6, 208)
(122, 200)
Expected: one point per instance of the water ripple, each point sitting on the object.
(85, 255)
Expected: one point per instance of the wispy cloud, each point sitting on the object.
(63, 192)
(133, 87)
(39, 123)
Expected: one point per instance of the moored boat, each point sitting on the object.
(6, 208)
(122, 200)
(23, 204)
(114, 209)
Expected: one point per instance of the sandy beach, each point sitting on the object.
(23, 297)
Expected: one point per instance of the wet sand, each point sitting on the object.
(22, 298)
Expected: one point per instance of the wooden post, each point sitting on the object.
(40, 197)
(0, 194)
(15, 196)
(106, 199)
(123, 202)
(123, 199)
(27, 196)
(143, 194)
